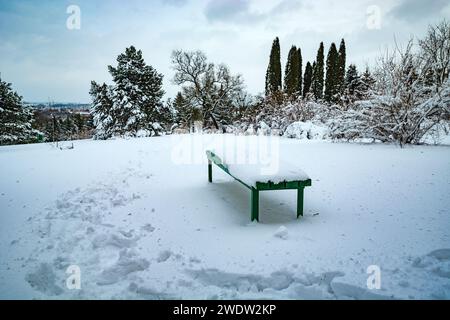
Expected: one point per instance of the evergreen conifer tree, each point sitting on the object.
(352, 79)
(341, 67)
(273, 74)
(292, 72)
(300, 72)
(15, 120)
(103, 112)
(307, 79)
(134, 102)
(318, 74)
(332, 74)
(137, 92)
(367, 82)
(183, 110)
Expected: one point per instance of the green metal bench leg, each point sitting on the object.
(209, 171)
(255, 204)
(300, 202)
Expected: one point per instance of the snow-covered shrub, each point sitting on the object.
(306, 130)
(410, 97)
(263, 129)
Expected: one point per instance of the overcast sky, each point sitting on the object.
(46, 60)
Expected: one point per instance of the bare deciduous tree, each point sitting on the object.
(435, 51)
(210, 88)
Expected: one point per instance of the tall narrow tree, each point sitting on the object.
(331, 81)
(341, 69)
(292, 72)
(300, 72)
(307, 79)
(317, 84)
(273, 74)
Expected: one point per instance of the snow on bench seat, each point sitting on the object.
(251, 174)
(274, 171)
(275, 175)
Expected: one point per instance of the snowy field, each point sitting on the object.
(142, 223)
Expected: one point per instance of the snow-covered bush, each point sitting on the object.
(306, 130)
(411, 94)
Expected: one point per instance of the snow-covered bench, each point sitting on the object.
(250, 176)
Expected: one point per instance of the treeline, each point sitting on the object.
(214, 97)
(62, 124)
(326, 80)
(405, 97)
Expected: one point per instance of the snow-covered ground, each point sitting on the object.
(141, 221)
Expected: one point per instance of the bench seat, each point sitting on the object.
(252, 176)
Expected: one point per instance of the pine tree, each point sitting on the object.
(183, 110)
(300, 72)
(15, 120)
(103, 112)
(341, 67)
(137, 93)
(79, 123)
(307, 79)
(354, 87)
(367, 82)
(332, 74)
(273, 74)
(292, 72)
(134, 99)
(317, 83)
(352, 80)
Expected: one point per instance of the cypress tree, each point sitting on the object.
(317, 83)
(307, 78)
(292, 72)
(273, 74)
(311, 89)
(331, 81)
(341, 63)
(300, 72)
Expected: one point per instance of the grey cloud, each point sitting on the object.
(412, 10)
(226, 9)
(238, 11)
(286, 6)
